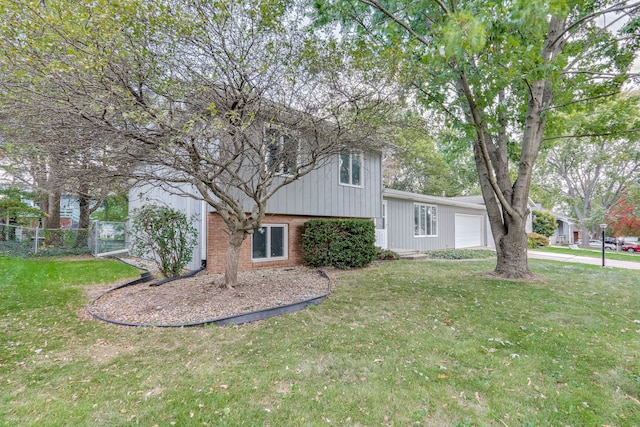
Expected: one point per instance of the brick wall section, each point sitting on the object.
(218, 242)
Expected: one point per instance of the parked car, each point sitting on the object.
(598, 244)
(631, 247)
(614, 240)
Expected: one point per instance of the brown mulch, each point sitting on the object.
(204, 297)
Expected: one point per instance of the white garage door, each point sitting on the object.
(468, 231)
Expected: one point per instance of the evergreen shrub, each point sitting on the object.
(544, 223)
(342, 243)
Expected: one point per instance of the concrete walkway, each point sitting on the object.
(631, 265)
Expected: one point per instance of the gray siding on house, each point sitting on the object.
(400, 221)
(490, 242)
(317, 194)
(320, 194)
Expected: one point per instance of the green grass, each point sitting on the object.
(592, 253)
(461, 254)
(41, 284)
(397, 344)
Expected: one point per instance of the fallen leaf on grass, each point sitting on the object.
(632, 398)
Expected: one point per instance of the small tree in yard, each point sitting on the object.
(544, 223)
(13, 211)
(221, 101)
(166, 234)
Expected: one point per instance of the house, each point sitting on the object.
(421, 222)
(567, 231)
(348, 185)
(403, 220)
(69, 211)
(528, 227)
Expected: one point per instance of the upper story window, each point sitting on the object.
(351, 168)
(281, 151)
(425, 221)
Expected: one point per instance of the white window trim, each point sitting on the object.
(434, 227)
(352, 153)
(285, 243)
(281, 131)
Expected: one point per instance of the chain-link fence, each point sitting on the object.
(108, 238)
(102, 238)
(29, 241)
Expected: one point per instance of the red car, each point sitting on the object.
(631, 247)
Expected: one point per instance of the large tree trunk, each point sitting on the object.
(3, 228)
(585, 235)
(233, 257)
(82, 238)
(508, 231)
(511, 251)
(52, 223)
(53, 210)
(507, 200)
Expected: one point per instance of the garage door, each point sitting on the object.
(468, 230)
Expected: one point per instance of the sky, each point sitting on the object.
(617, 21)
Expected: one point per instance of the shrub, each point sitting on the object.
(386, 255)
(342, 243)
(544, 223)
(166, 234)
(461, 254)
(536, 240)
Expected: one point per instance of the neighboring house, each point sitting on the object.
(69, 212)
(347, 186)
(69, 209)
(420, 222)
(567, 231)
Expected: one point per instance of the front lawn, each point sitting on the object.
(424, 343)
(592, 253)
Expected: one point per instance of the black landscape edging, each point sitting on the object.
(171, 279)
(221, 321)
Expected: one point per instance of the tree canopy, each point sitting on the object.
(497, 70)
(414, 164)
(594, 165)
(186, 89)
(544, 223)
(625, 215)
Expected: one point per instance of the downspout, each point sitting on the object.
(203, 233)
